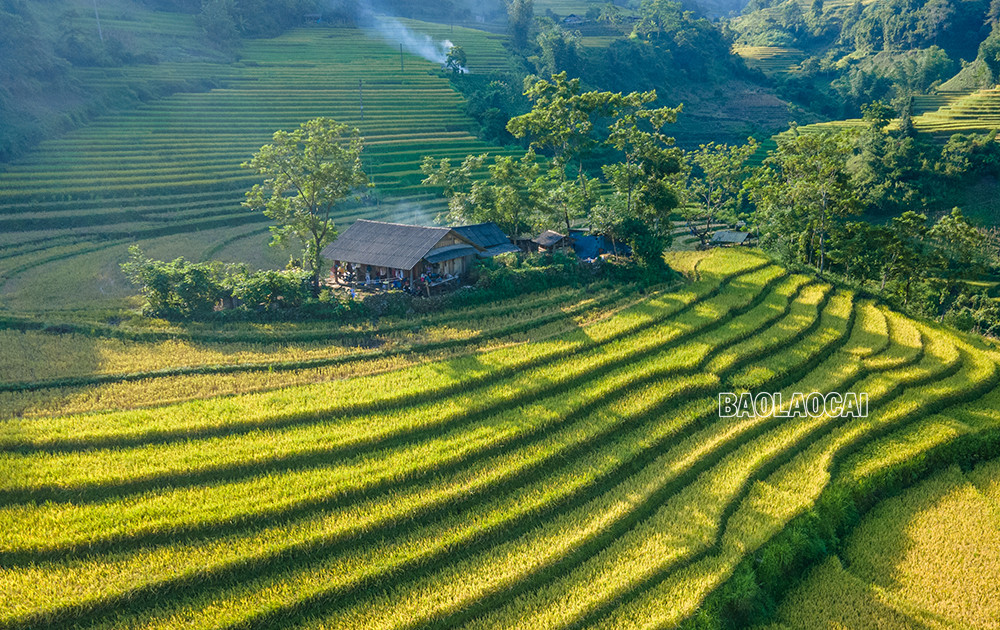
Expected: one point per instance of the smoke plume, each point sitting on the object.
(395, 32)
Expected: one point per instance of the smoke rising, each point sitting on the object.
(395, 32)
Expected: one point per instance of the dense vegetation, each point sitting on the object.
(542, 449)
(853, 53)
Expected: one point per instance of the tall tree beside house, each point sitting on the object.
(510, 197)
(306, 173)
(561, 122)
(642, 181)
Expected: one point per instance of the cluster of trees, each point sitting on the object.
(185, 290)
(524, 195)
(225, 22)
(306, 173)
(807, 196)
(804, 201)
(659, 45)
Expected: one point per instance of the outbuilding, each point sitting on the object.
(550, 241)
(728, 238)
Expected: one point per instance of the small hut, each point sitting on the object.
(730, 238)
(550, 241)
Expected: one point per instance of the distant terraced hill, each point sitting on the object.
(167, 175)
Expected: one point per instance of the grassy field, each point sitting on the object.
(166, 174)
(925, 559)
(570, 476)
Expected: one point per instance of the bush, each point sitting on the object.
(270, 289)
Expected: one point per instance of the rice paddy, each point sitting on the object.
(167, 173)
(771, 59)
(927, 558)
(577, 476)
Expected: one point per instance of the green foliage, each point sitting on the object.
(520, 14)
(559, 50)
(216, 19)
(182, 290)
(509, 196)
(457, 60)
(715, 174)
(177, 289)
(254, 18)
(646, 242)
(642, 183)
(970, 154)
(800, 193)
(271, 289)
(307, 172)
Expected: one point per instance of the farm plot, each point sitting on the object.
(927, 558)
(172, 167)
(580, 480)
(978, 112)
(771, 59)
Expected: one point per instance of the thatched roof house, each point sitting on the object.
(489, 237)
(394, 249)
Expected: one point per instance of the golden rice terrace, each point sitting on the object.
(563, 466)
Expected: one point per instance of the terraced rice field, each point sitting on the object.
(771, 59)
(941, 115)
(581, 479)
(978, 112)
(927, 558)
(172, 167)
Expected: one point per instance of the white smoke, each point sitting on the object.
(395, 32)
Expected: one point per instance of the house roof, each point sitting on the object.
(449, 252)
(392, 245)
(485, 235)
(729, 236)
(548, 238)
(496, 250)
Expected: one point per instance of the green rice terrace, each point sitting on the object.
(554, 461)
(167, 174)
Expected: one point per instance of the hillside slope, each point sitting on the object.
(580, 479)
(925, 559)
(167, 174)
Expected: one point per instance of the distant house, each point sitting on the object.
(726, 238)
(487, 236)
(574, 20)
(550, 241)
(371, 250)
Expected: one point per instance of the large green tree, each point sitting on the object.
(804, 188)
(642, 179)
(520, 16)
(306, 173)
(561, 122)
(510, 196)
